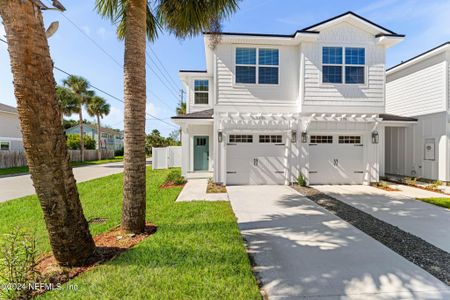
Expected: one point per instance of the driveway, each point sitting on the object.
(301, 250)
(427, 221)
(19, 186)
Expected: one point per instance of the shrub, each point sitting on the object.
(73, 142)
(118, 152)
(434, 186)
(301, 180)
(17, 263)
(174, 177)
(410, 181)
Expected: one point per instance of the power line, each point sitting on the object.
(162, 65)
(169, 80)
(103, 91)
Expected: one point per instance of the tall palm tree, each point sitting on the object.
(68, 102)
(43, 135)
(136, 20)
(98, 108)
(181, 108)
(79, 86)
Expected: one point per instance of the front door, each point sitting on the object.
(201, 153)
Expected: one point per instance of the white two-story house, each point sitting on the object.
(270, 107)
(419, 88)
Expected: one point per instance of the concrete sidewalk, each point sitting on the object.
(195, 190)
(301, 250)
(400, 209)
(19, 186)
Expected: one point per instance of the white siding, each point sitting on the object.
(190, 93)
(419, 89)
(368, 97)
(286, 92)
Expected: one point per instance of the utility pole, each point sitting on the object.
(182, 95)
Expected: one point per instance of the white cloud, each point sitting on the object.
(114, 119)
(102, 32)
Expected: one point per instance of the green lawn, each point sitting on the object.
(444, 202)
(197, 252)
(19, 170)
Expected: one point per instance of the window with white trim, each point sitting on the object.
(4, 145)
(257, 65)
(336, 69)
(201, 88)
(349, 139)
(321, 139)
(270, 139)
(240, 138)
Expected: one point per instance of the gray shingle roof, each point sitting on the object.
(204, 114)
(389, 117)
(7, 108)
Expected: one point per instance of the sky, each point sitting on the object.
(91, 49)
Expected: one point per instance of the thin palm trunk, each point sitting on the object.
(43, 136)
(134, 194)
(81, 134)
(98, 138)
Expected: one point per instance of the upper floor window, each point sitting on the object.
(201, 91)
(4, 146)
(335, 70)
(253, 64)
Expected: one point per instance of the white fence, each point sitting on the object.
(10, 159)
(167, 157)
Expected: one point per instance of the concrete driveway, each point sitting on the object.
(301, 250)
(429, 222)
(13, 187)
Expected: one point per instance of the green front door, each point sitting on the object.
(201, 153)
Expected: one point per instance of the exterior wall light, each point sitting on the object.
(294, 136)
(220, 136)
(304, 137)
(375, 137)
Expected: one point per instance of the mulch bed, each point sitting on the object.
(420, 187)
(386, 188)
(214, 188)
(425, 255)
(169, 185)
(109, 244)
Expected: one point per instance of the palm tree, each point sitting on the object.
(79, 86)
(42, 131)
(68, 102)
(98, 108)
(181, 108)
(135, 20)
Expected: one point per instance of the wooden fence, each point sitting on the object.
(10, 159)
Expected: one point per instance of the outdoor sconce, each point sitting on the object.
(294, 136)
(375, 137)
(220, 136)
(304, 137)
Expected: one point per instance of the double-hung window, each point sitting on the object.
(339, 69)
(201, 91)
(257, 65)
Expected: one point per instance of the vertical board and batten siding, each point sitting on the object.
(366, 97)
(230, 93)
(419, 89)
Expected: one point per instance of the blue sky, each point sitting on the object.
(425, 23)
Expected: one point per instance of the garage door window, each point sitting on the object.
(270, 139)
(321, 139)
(349, 139)
(234, 138)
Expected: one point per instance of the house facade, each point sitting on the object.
(419, 88)
(110, 139)
(270, 108)
(10, 134)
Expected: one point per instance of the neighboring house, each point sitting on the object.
(10, 134)
(111, 139)
(271, 107)
(419, 88)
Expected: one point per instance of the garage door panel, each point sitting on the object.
(336, 163)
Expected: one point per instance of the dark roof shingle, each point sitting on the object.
(204, 114)
(389, 117)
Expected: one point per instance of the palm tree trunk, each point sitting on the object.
(43, 135)
(134, 195)
(99, 155)
(81, 134)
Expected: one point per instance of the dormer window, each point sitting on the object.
(201, 92)
(335, 70)
(257, 65)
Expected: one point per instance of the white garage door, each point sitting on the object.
(256, 159)
(336, 159)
